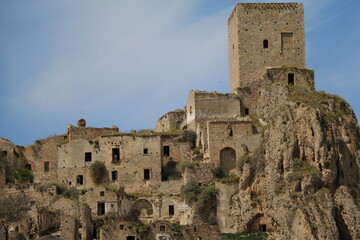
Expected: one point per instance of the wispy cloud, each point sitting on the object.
(122, 61)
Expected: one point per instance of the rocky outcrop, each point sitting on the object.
(309, 185)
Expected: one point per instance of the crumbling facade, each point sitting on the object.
(100, 183)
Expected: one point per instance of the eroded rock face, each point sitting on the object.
(309, 186)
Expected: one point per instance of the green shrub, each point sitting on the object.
(321, 100)
(60, 188)
(191, 191)
(175, 228)
(208, 195)
(186, 164)
(228, 179)
(23, 175)
(244, 236)
(142, 229)
(196, 150)
(170, 171)
(301, 169)
(71, 193)
(97, 171)
(218, 173)
(188, 136)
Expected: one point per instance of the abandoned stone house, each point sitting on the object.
(266, 46)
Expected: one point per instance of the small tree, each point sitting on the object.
(191, 191)
(23, 175)
(14, 208)
(208, 195)
(97, 171)
(188, 136)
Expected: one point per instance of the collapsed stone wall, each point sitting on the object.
(170, 121)
(43, 155)
(209, 105)
(89, 133)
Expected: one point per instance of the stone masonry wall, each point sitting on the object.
(219, 136)
(89, 133)
(170, 121)
(137, 153)
(280, 24)
(211, 105)
(45, 152)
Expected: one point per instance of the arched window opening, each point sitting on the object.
(227, 160)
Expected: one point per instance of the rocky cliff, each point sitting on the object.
(303, 179)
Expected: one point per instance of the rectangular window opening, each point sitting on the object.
(262, 227)
(162, 228)
(80, 179)
(291, 79)
(171, 210)
(166, 151)
(46, 166)
(246, 112)
(88, 157)
(102, 193)
(147, 174)
(114, 175)
(115, 154)
(130, 238)
(100, 208)
(145, 151)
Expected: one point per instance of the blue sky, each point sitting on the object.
(126, 63)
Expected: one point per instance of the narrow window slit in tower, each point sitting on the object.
(266, 43)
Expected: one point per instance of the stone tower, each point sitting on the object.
(262, 36)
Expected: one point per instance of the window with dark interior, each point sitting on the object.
(114, 175)
(88, 157)
(121, 226)
(100, 208)
(262, 227)
(145, 151)
(115, 154)
(246, 111)
(147, 174)
(80, 179)
(162, 228)
(166, 151)
(46, 166)
(291, 79)
(171, 210)
(265, 43)
(102, 193)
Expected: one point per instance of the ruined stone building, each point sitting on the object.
(283, 158)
